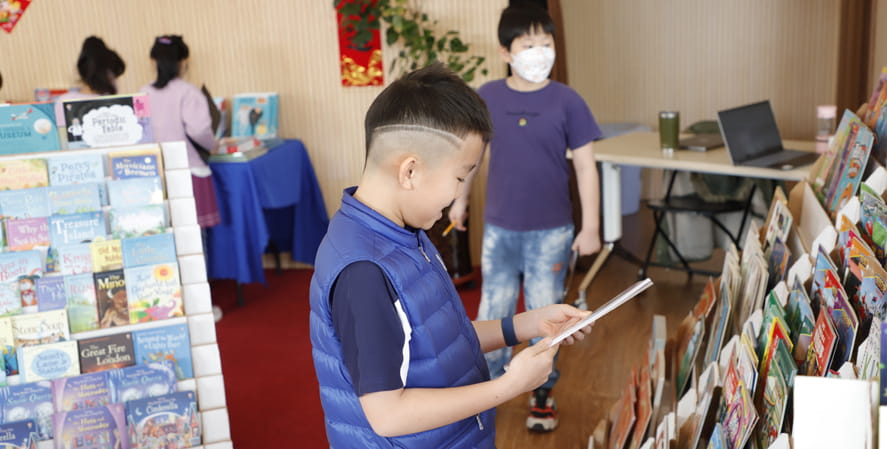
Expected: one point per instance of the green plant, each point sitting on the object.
(412, 31)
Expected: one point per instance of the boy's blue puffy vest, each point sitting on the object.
(444, 349)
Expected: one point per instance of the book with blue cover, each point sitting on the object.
(101, 427)
(74, 198)
(18, 174)
(28, 128)
(149, 250)
(137, 221)
(19, 270)
(83, 391)
(145, 380)
(29, 401)
(40, 328)
(165, 343)
(133, 166)
(76, 228)
(10, 300)
(82, 311)
(51, 294)
(79, 169)
(75, 258)
(19, 435)
(48, 361)
(108, 121)
(23, 234)
(135, 191)
(106, 353)
(24, 203)
(164, 421)
(7, 347)
(154, 292)
(255, 114)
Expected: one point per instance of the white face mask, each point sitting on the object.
(533, 64)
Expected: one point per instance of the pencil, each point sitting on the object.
(448, 229)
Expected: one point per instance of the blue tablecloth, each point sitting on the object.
(274, 197)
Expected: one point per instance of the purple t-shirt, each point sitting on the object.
(528, 181)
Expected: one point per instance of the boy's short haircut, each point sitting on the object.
(432, 97)
(520, 19)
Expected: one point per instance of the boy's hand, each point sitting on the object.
(459, 213)
(587, 242)
(548, 321)
(530, 368)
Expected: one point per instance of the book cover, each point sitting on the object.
(7, 346)
(108, 121)
(868, 355)
(74, 198)
(24, 203)
(110, 292)
(40, 328)
(801, 321)
(133, 166)
(19, 435)
(10, 300)
(98, 427)
(18, 174)
(28, 128)
(76, 228)
(164, 421)
(106, 353)
(883, 365)
(29, 401)
(75, 258)
(718, 438)
(154, 292)
(19, 270)
(255, 114)
(79, 169)
(23, 234)
(822, 346)
(48, 361)
(741, 417)
(149, 250)
(144, 380)
(82, 311)
(80, 392)
(688, 356)
(135, 191)
(774, 405)
(850, 174)
(51, 293)
(137, 221)
(165, 343)
(106, 255)
(719, 325)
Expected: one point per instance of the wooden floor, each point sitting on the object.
(594, 371)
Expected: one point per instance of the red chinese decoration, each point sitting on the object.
(360, 65)
(11, 12)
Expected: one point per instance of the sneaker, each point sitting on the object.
(543, 412)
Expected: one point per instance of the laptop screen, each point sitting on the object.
(750, 131)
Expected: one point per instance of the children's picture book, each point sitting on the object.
(137, 221)
(849, 164)
(137, 191)
(28, 128)
(149, 250)
(108, 121)
(110, 292)
(688, 356)
(145, 380)
(255, 114)
(741, 417)
(822, 346)
(718, 438)
(23, 234)
(801, 321)
(18, 174)
(80, 392)
(164, 421)
(154, 292)
(720, 322)
(76, 228)
(19, 435)
(133, 166)
(75, 258)
(82, 311)
(24, 203)
(79, 169)
(624, 420)
(48, 361)
(106, 353)
(97, 427)
(10, 300)
(774, 405)
(868, 356)
(40, 328)
(106, 255)
(74, 198)
(165, 343)
(51, 293)
(7, 346)
(29, 401)
(14, 265)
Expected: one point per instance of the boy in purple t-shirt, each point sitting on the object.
(528, 225)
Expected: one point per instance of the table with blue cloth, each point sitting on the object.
(271, 198)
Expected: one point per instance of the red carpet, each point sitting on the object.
(271, 390)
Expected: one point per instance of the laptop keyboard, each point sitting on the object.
(781, 158)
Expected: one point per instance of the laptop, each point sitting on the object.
(752, 139)
(702, 142)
